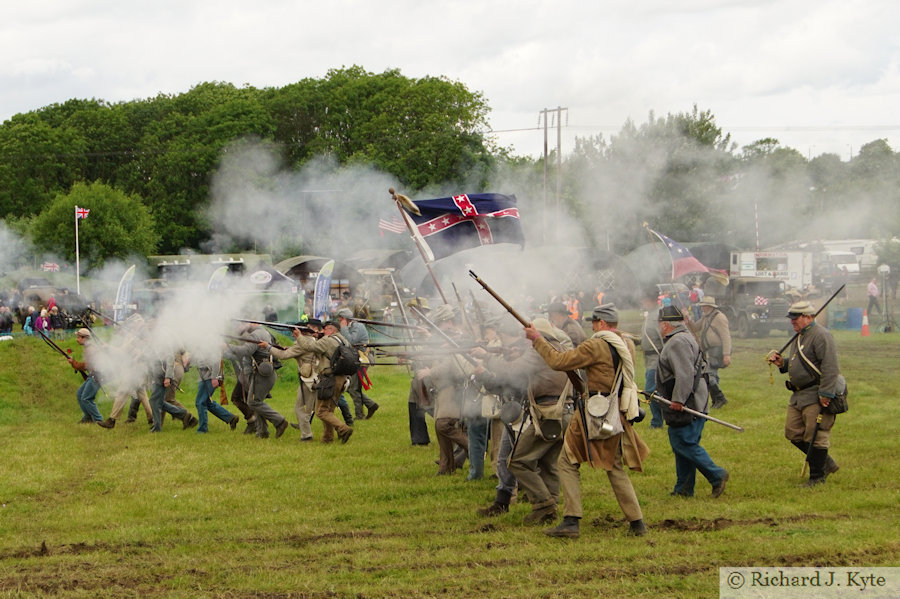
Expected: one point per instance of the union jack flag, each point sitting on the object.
(81, 213)
(50, 267)
(761, 301)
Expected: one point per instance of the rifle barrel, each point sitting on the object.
(819, 311)
(245, 340)
(690, 411)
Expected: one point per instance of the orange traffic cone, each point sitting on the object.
(865, 324)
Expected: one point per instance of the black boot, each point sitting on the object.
(500, 505)
(801, 445)
(459, 456)
(133, 410)
(718, 398)
(817, 457)
(567, 528)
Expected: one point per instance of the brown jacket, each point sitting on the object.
(595, 355)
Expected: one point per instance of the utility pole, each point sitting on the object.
(543, 114)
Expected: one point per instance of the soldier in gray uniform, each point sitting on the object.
(558, 315)
(815, 378)
(329, 386)
(305, 406)
(358, 336)
(261, 378)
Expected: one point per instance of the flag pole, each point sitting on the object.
(412, 233)
(77, 260)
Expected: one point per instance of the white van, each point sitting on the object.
(837, 261)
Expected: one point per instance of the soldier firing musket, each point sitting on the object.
(606, 440)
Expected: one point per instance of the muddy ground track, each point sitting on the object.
(148, 580)
(607, 522)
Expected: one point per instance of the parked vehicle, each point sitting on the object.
(753, 305)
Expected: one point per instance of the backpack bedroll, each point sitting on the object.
(344, 360)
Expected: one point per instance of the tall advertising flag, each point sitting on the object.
(123, 295)
(322, 299)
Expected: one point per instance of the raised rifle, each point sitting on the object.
(60, 350)
(577, 384)
(663, 400)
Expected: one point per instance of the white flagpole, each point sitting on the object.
(77, 262)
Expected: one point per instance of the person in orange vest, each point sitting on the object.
(572, 305)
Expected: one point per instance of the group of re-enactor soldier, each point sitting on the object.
(540, 465)
(540, 447)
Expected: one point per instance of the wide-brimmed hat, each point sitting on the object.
(800, 309)
(606, 313)
(670, 314)
(708, 300)
(83, 332)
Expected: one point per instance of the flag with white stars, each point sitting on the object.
(461, 222)
(683, 261)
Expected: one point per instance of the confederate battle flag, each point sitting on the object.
(461, 222)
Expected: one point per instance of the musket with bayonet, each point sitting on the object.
(654, 397)
(578, 385)
(60, 350)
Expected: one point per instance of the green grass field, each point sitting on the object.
(87, 512)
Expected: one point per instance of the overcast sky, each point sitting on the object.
(818, 75)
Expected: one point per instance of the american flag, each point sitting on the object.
(81, 213)
(761, 301)
(395, 225)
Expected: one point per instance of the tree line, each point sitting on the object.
(145, 166)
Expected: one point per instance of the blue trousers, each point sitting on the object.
(204, 402)
(158, 405)
(690, 457)
(656, 420)
(86, 395)
(477, 430)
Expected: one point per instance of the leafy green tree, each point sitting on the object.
(36, 161)
(118, 225)
(424, 131)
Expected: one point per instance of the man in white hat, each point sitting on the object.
(814, 380)
(715, 342)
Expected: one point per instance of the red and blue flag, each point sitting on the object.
(461, 222)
